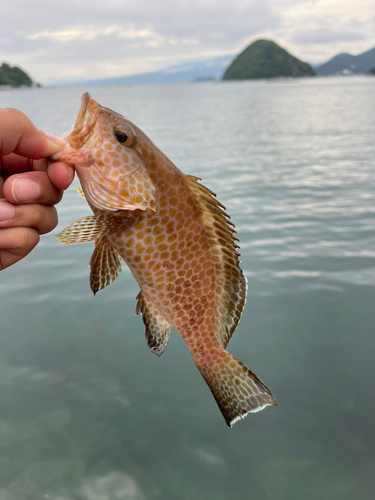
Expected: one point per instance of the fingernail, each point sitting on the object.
(25, 190)
(54, 144)
(7, 210)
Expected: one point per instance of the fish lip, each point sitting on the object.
(85, 122)
(81, 116)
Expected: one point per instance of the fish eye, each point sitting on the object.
(121, 136)
(124, 136)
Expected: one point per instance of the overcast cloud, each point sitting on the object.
(70, 40)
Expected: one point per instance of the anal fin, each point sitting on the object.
(157, 330)
(105, 265)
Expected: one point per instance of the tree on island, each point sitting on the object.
(15, 76)
(371, 72)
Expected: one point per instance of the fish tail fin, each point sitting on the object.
(236, 389)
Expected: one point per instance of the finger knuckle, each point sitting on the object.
(49, 220)
(26, 239)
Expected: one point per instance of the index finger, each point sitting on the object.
(19, 135)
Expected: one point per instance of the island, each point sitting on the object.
(347, 64)
(265, 59)
(14, 77)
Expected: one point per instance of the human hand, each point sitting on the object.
(30, 185)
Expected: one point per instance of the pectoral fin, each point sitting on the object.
(89, 229)
(105, 265)
(81, 193)
(157, 330)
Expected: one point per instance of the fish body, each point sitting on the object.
(177, 241)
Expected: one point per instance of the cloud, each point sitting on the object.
(125, 38)
(206, 19)
(92, 38)
(318, 30)
(323, 36)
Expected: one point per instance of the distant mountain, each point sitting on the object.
(14, 76)
(347, 64)
(208, 69)
(265, 59)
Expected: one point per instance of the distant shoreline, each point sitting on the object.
(284, 80)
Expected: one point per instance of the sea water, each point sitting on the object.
(87, 412)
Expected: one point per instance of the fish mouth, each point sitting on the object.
(82, 130)
(85, 122)
(80, 119)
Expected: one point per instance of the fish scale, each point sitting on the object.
(177, 241)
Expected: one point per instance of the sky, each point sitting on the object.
(54, 40)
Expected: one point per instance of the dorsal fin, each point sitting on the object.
(231, 283)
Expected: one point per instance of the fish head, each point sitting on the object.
(102, 145)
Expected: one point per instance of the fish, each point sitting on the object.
(177, 241)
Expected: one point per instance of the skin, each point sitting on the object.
(30, 185)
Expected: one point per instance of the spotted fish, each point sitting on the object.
(177, 241)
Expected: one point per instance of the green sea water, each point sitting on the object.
(87, 412)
